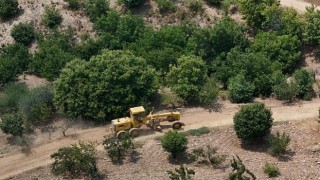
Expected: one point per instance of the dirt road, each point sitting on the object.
(299, 5)
(17, 162)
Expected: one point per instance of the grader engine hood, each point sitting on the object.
(121, 124)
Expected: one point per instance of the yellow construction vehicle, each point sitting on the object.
(137, 118)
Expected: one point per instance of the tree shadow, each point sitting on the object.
(134, 156)
(260, 145)
(24, 142)
(287, 156)
(184, 158)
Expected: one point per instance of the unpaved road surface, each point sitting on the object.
(298, 5)
(222, 115)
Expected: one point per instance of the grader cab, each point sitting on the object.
(137, 118)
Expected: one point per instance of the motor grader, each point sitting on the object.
(137, 118)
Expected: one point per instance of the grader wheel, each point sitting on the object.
(121, 134)
(134, 132)
(176, 125)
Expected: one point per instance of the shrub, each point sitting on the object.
(73, 4)
(240, 90)
(117, 148)
(165, 6)
(131, 3)
(51, 18)
(8, 8)
(279, 143)
(23, 33)
(37, 106)
(12, 124)
(239, 169)
(208, 155)
(195, 5)
(252, 121)
(14, 59)
(81, 90)
(181, 173)
(174, 143)
(304, 81)
(271, 170)
(9, 100)
(286, 90)
(76, 160)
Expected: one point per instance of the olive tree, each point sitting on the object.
(104, 87)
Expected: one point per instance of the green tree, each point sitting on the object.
(209, 92)
(12, 124)
(104, 87)
(23, 33)
(117, 148)
(76, 160)
(304, 81)
(285, 21)
(252, 11)
(240, 90)
(252, 122)
(188, 77)
(51, 18)
(311, 23)
(221, 38)
(8, 8)
(10, 97)
(14, 59)
(284, 49)
(286, 89)
(174, 143)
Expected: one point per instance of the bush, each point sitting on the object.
(239, 169)
(81, 90)
(37, 106)
(165, 6)
(117, 148)
(271, 170)
(12, 124)
(52, 18)
(14, 59)
(240, 90)
(252, 122)
(279, 143)
(195, 5)
(174, 143)
(23, 33)
(73, 4)
(304, 80)
(131, 3)
(76, 160)
(286, 90)
(181, 173)
(8, 8)
(10, 97)
(208, 155)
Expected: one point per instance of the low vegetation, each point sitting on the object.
(252, 122)
(175, 143)
(271, 170)
(75, 161)
(51, 18)
(209, 154)
(279, 143)
(239, 169)
(181, 173)
(118, 148)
